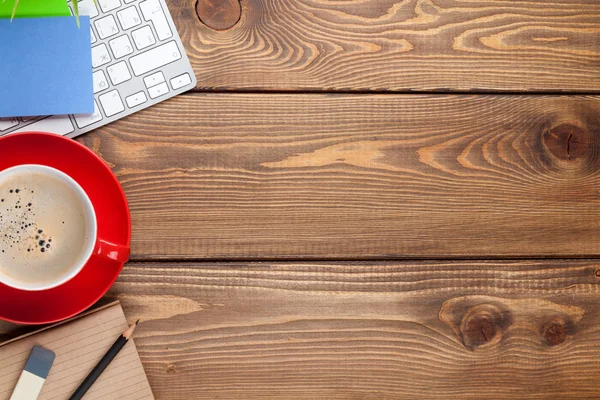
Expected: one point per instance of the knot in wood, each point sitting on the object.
(171, 369)
(481, 325)
(219, 14)
(555, 334)
(556, 331)
(568, 142)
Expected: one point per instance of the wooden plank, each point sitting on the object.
(442, 45)
(468, 330)
(440, 330)
(241, 176)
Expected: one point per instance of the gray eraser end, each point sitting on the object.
(40, 361)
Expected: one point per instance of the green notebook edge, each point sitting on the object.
(35, 8)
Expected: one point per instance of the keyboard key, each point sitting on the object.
(158, 90)
(111, 103)
(27, 119)
(129, 1)
(6, 123)
(152, 11)
(109, 5)
(87, 7)
(100, 82)
(181, 81)
(129, 18)
(100, 55)
(121, 46)
(118, 73)
(154, 79)
(59, 124)
(136, 99)
(143, 37)
(155, 58)
(93, 37)
(106, 27)
(84, 120)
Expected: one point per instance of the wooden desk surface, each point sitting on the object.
(369, 199)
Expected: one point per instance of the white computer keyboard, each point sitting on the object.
(137, 59)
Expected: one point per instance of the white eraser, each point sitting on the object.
(34, 375)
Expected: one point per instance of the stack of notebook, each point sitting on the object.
(46, 65)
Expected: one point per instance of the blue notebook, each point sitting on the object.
(45, 67)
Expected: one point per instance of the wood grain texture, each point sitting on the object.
(395, 45)
(240, 176)
(468, 330)
(435, 330)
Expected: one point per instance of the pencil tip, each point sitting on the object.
(137, 322)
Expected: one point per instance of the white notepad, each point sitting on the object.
(79, 344)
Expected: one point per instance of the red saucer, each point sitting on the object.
(114, 225)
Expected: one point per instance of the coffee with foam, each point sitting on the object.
(46, 229)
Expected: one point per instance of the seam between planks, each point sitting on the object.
(353, 260)
(445, 92)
